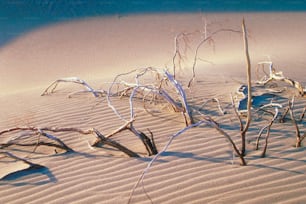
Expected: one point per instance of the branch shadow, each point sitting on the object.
(186, 155)
(228, 160)
(33, 170)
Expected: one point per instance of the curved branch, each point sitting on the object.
(75, 80)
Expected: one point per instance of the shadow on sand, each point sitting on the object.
(15, 178)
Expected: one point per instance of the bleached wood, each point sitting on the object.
(278, 76)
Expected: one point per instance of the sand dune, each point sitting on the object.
(199, 166)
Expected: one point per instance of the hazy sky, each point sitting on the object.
(20, 16)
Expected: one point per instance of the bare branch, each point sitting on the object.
(268, 128)
(249, 104)
(161, 152)
(302, 114)
(237, 114)
(76, 80)
(207, 38)
(221, 110)
(299, 138)
(180, 91)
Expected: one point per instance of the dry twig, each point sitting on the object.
(299, 137)
(221, 110)
(50, 89)
(267, 128)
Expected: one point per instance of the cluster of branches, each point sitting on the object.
(165, 88)
(152, 85)
(37, 134)
(299, 136)
(274, 75)
(244, 125)
(278, 76)
(160, 89)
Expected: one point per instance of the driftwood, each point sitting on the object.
(50, 89)
(274, 75)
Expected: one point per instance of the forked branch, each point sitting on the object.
(112, 143)
(42, 132)
(268, 129)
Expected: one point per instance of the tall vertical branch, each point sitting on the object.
(249, 103)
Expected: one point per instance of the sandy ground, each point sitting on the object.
(199, 166)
